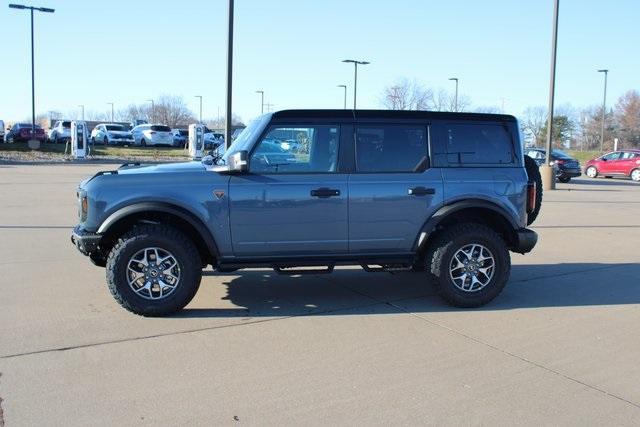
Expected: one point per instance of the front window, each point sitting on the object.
(612, 156)
(297, 149)
(246, 137)
(115, 128)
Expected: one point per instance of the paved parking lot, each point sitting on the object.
(561, 345)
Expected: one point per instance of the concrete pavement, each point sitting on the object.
(559, 346)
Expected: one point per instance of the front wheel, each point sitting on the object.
(105, 141)
(143, 142)
(592, 172)
(564, 179)
(470, 263)
(635, 175)
(154, 270)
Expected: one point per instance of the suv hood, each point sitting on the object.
(195, 166)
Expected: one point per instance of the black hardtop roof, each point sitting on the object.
(388, 114)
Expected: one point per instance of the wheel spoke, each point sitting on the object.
(153, 273)
(472, 267)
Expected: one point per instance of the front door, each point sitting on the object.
(393, 191)
(293, 202)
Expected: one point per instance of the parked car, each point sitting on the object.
(147, 134)
(21, 132)
(394, 200)
(565, 166)
(60, 132)
(617, 163)
(111, 134)
(212, 139)
(1, 130)
(180, 137)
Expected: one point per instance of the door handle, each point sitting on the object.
(324, 192)
(421, 191)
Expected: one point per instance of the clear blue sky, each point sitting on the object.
(93, 52)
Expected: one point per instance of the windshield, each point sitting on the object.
(116, 128)
(246, 137)
(66, 124)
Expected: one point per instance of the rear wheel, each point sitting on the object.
(154, 270)
(533, 174)
(143, 142)
(564, 179)
(105, 141)
(592, 172)
(635, 175)
(470, 263)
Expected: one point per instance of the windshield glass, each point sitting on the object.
(66, 124)
(243, 141)
(116, 127)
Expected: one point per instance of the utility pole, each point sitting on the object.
(456, 98)
(228, 122)
(82, 106)
(604, 108)
(200, 96)
(261, 92)
(33, 79)
(111, 103)
(355, 77)
(345, 95)
(548, 178)
(153, 109)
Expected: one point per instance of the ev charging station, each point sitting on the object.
(79, 140)
(196, 140)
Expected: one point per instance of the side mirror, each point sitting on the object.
(238, 162)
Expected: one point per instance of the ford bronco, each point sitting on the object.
(301, 191)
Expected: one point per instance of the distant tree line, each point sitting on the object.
(572, 127)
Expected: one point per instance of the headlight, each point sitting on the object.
(84, 208)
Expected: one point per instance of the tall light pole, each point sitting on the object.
(82, 107)
(33, 79)
(200, 96)
(604, 107)
(548, 178)
(456, 98)
(261, 92)
(153, 108)
(227, 119)
(345, 95)
(355, 77)
(111, 103)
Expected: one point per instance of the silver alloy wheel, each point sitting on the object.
(153, 273)
(472, 267)
(635, 175)
(592, 172)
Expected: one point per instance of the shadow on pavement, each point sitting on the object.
(266, 294)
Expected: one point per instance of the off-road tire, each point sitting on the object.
(165, 237)
(447, 243)
(533, 174)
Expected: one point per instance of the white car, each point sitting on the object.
(60, 132)
(111, 134)
(152, 135)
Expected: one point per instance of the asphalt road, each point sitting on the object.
(561, 345)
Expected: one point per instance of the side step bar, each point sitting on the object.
(387, 268)
(294, 271)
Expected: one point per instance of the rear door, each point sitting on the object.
(628, 161)
(393, 190)
(293, 202)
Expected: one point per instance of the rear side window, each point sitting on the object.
(391, 148)
(470, 144)
(160, 128)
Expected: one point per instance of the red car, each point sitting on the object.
(617, 163)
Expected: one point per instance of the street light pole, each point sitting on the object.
(261, 92)
(111, 103)
(82, 106)
(153, 108)
(33, 79)
(355, 77)
(548, 178)
(345, 95)
(200, 96)
(604, 108)
(456, 98)
(228, 122)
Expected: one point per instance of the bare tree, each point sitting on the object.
(406, 95)
(627, 119)
(532, 123)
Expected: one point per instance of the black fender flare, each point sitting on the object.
(443, 212)
(162, 207)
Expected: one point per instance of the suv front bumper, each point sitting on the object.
(525, 240)
(86, 241)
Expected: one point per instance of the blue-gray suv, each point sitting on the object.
(301, 191)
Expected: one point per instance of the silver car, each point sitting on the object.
(111, 134)
(152, 135)
(60, 132)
